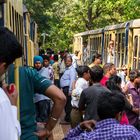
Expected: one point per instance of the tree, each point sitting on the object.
(61, 19)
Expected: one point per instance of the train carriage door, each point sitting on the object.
(136, 52)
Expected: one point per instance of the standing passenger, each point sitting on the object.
(109, 70)
(42, 102)
(81, 84)
(56, 69)
(66, 83)
(89, 96)
(46, 62)
(134, 91)
(10, 49)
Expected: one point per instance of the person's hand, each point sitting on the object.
(11, 92)
(87, 125)
(43, 134)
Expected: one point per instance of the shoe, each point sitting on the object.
(64, 122)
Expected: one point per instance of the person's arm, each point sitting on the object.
(82, 101)
(72, 79)
(12, 94)
(59, 100)
(83, 126)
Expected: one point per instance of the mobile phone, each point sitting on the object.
(11, 89)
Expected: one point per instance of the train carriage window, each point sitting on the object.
(122, 48)
(13, 18)
(110, 37)
(1, 14)
(10, 14)
(1, 11)
(135, 52)
(119, 41)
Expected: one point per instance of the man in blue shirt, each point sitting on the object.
(110, 107)
(66, 83)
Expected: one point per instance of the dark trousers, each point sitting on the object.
(42, 110)
(68, 106)
(57, 82)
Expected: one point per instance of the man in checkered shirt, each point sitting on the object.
(110, 108)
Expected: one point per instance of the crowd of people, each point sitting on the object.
(84, 85)
(100, 102)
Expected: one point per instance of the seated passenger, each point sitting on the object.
(96, 60)
(110, 108)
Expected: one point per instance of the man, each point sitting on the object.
(43, 103)
(89, 96)
(111, 52)
(49, 70)
(10, 49)
(56, 69)
(110, 108)
(30, 82)
(109, 70)
(66, 83)
(133, 89)
(96, 60)
(123, 75)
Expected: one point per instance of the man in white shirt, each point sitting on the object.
(10, 49)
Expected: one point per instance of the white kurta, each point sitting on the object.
(9, 125)
(80, 85)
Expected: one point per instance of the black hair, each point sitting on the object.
(55, 57)
(114, 82)
(10, 48)
(107, 67)
(110, 104)
(96, 55)
(46, 57)
(68, 57)
(96, 73)
(82, 69)
(133, 75)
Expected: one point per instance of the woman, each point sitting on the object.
(114, 83)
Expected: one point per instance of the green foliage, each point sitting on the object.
(61, 19)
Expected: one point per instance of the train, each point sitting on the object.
(15, 16)
(126, 38)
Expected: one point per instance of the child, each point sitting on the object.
(80, 85)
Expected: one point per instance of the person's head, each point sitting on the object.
(55, 57)
(97, 59)
(135, 76)
(96, 74)
(111, 43)
(114, 83)
(46, 60)
(76, 53)
(110, 105)
(109, 69)
(10, 49)
(84, 72)
(68, 61)
(124, 69)
(38, 62)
